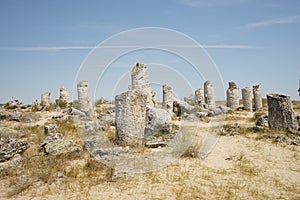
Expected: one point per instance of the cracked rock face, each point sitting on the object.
(10, 147)
(55, 144)
(232, 96)
(209, 95)
(158, 120)
(64, 95)
(257, 98)
(84, 99)
(199, 97)
(247, 98)
(280, 113)
(130, 118)
(140, 81)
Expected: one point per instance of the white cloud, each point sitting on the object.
(284, 20)
(211, 3)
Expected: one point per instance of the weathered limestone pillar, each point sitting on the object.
(130, 118)
(199, 97)
(168, 99)
(140, 81)
(247, 98)
(232, 96)
(46, 99)
(64, 95)
(209, 95)
(85, 104)
(257, 97)
(281, 115)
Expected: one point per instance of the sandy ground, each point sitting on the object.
(238, 167)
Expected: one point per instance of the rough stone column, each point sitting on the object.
(64, 95)
(140, 81)
(209, 95)
(168, 98)
(130, 118)
(281, 115)
(46, 99)
(199, 97)
(247, 98)
(84, 99)
(257, 98)
(232, 96)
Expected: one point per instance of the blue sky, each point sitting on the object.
(43, 43)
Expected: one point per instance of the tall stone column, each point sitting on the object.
(130, 118)
(209, 95)
(46, 99)
(257, 98)
(199, 97)
(168, 98)
(140, 81)
(281, 115)
(232, 96)
(247, 98)
(64, 95)
(85, 104)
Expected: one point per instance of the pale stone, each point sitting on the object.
(232, 96)
(46, 99)
(257, 98)
(280, 113)
(168, 98)
(84, 99)
(130, 118)
(247, 98)
(209, 95)
(64, 95)
(140, 81)
(199, 97)
(158, 120)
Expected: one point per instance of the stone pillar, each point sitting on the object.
(257, 98)
(199, 97)
(46, 99)
(281, 115)
(247, 98)
(140, 81)
(168, 99)
(64, 95)
(130, 118)
(209, 95)
(232, 96)
(84, 99)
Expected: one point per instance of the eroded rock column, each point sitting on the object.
(130, 118)
(168, 98)
(209, 95)
(232, 96)
(64, 95)
(281, 115)
(257, 98)
(199, 97)
(46, 99)
(84, 99)
(247, 98)
(140, 81)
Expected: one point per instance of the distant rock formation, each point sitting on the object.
(257, 98)
(85, 104)
(247, 98)
(46, 99)
(209, 95)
